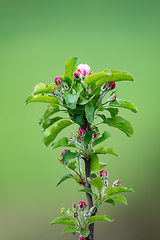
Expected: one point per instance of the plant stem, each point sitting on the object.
(89, 197)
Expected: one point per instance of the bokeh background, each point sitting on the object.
(36, 39)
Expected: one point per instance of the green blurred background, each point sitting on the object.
(36, 39)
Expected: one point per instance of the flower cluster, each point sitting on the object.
(83, 70)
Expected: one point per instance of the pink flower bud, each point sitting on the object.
(114, 98)
(81, 237)
(103, 173)
(61, 160)
(112, 85)
(75, 206)
(75, 214)
(89, 73)
(89, 90)
(82, 205)
(54, 92)
(63, 151)
(79, 139)
(116, 183)
(81, 132)
(94, 135)
(104, 86)
(70, 138)
(106, 183)
(57, 81)
(66, 86)
(83, 69)
(76, 74)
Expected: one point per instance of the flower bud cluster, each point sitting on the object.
(61, 160)
(83, 70)
(104, 175)
(109, 86)
(59, 88)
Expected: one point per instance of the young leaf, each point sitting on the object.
(102, 116)
(65, 177)
(51, 133)
(94, 162)
(97, 183)
(113, 111)
(49, 121)
(111, 202)
(71, 67)
(103, 150)
(120, 123)
(69, 229)
(72, 165)
(42, 88)
(42, 98)
(102, 165)
(114, 190)
(104, 136)
(89, 110)
(124, 104)
(119, 198)
(50, 111)
(64, 220)
(69, 155)
(63, 142)
(70, 212)
(94, 219)
(88, 137)
(88, 190)
(71, 99)
(84, 233)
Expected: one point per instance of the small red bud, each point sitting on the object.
(79, 139)
(81, 237)
(112, 85)
(63, 151)
(82, 205)
(81, 132)
(104, 86)
(75, 214)
(95, 135)
(57, 81)
(76, 74)
(54, 92)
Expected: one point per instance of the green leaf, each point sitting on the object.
(89, 110)
(64, 220)
(69, 155)
(124, 104)
(72, 165)
(71, 67)
(102, 165)
(63, 142)
(120, 123)
(104, 136)
(88, 190)
(119, 198)
(71, 99)
(84, 233)
(78, 119)
(113, 111)
(103, 150)
(94, 162)
(84, 100)
(65, 177)
(97, 183)
(42, 88)
(108, 76)
(42, 98)
(69, 229)
(115, 190)
(70, 212)
(94, 219)
(111, 202)
(49, 121)
(115, 77)
(50, 111)
(51, 133)
(94, 77)
(102, 116)
(88, 137)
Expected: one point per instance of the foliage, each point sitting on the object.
(84, 97)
